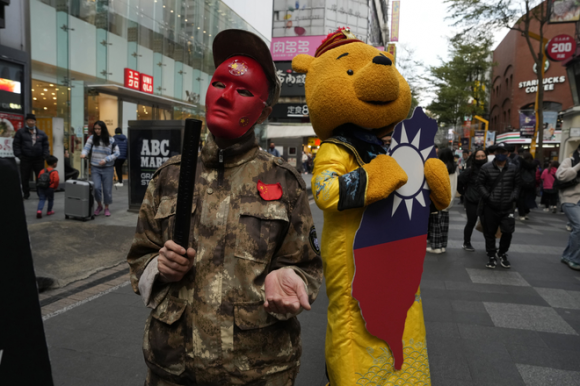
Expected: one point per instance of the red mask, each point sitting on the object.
(236, 96)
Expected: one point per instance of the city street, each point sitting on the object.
(484, 327)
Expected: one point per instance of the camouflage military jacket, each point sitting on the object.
(213, 323)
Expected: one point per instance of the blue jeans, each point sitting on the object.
(572, 251)
(103, 178)
(43, 195)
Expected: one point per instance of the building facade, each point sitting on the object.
(513, 91)
(122, 60)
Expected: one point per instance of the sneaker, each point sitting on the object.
(443, 249)
(564, 261)
(568, 228)
(50, 213)
(435, 251)
(491, 263)
(574, 266)
(554, 210)
(546, 209)
(98, 210)
(522, 218)
(107, 213)
(503, 260)
(38, 214)
(527, 217)
(119, 184)
(468, 247)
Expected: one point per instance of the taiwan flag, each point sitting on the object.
(390, 244)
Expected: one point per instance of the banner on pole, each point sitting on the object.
(395, 21)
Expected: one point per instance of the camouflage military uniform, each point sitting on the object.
(211, 328)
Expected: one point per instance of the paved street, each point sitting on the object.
(484, 327)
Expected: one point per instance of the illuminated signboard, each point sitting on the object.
(132, 79)
(10, 86)
(147, 83)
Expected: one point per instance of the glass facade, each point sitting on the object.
(81, 48)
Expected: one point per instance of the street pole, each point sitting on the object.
(486, 128)
(536, 107)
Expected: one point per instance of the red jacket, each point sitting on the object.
(54, 179)
(548, 176)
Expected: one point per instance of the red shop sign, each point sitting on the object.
(147, 83)
(132, 79)
(561, 47)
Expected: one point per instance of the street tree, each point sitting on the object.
(412, 70)
(479, 17)
(460, 84)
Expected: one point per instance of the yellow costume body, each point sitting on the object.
(351, 86)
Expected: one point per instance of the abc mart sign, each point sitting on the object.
(532, 85)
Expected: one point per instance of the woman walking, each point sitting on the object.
(102, 151)
(527, 199)
(550, 194)
(439, 220)
(468, 184)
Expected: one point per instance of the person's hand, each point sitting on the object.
(102, 162)
(172, 262)
(83, 156)
(285, 292)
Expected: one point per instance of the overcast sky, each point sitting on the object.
(423, 27)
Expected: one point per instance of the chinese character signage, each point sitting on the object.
(392, 49)
(292, 82)
(147, 83)
(132, 79)
(290, 110)
(395, 21)
(561, 47)
(288, 48)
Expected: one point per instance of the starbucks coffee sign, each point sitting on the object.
(532, 85)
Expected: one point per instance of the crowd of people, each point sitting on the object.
(498, 185)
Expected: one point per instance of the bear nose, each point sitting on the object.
(382, 60)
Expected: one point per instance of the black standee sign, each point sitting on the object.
(23, 352)
(151, 143)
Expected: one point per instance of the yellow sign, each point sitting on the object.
(392, 49)
(395, 21)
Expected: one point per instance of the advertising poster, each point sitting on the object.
(392, 49)
(9, 125)
(490, 140)
(465, 142)
(149, 148)
(527, 123)
(478, 138)
(564, 11)
(395, 21)
(549, 129)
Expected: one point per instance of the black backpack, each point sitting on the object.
(43, 180)
(528, 180)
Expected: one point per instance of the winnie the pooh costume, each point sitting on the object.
(355, 96)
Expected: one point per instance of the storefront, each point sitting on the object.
(121, 61)
(552, 140)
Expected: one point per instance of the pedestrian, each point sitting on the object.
(527, 198)
(273, 151)
(102, 152)
(305, 162)
(121, 142)
(224, 309)
(70, 173)
(30, 145)
(499, 184)
(550, 195)
(468, 184)
(387, 141)
(491, 152)
(46, 183)
(466, 160)
(569, 174)
(438, 233)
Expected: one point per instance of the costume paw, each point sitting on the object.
(438, 180)
(384, 177)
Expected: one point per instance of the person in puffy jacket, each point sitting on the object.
(527, 198)
(471, 195)
(550, 194)
(121, 142)
(499, 184)
(102, 151)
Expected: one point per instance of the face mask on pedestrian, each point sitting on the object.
(501, 157)
(236, 97)
(480, 162)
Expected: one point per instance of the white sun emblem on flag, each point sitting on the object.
(412, 160)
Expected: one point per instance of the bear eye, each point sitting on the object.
(350, 72)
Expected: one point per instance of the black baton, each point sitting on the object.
(186, 182)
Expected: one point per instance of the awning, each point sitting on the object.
(275, 131)
(141, 96)
(514, 137)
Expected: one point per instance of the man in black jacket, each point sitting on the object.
(31, 147)
(499, 184)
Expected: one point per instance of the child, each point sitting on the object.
(45, 187)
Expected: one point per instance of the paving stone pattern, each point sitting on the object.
(484, 327)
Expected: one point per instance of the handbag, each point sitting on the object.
(561, 185)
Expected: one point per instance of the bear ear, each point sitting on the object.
(301, 63)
